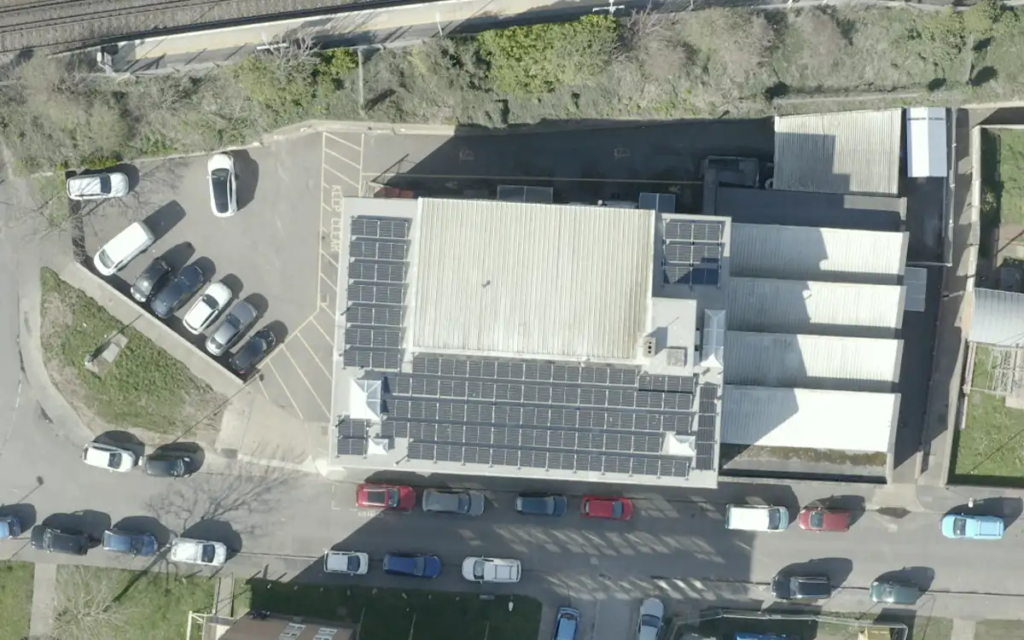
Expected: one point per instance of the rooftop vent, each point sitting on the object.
(650, 346)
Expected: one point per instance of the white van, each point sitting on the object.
(123, 248)
(750, 517)
(97, 186)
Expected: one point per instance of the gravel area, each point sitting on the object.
(67, 23)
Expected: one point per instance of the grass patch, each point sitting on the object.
(729, 452)
(999, 630)
(154, 601)
(145, 388)
(388, 614)
(983, 376)
(990, 449)
(1003, 175)
(15, 599)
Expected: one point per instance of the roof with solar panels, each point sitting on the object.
(502, 338)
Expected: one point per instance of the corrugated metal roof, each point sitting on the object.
(813, 253)
(819, 362)
(927, 148)
(508, 278)
(806, 209)
(851, 152)
(998, 318)
(819, 308)
(808, 418)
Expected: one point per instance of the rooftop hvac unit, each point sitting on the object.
(650, 346)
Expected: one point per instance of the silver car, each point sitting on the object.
(467, 503)
(234, 326)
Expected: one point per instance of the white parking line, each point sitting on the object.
(285, 387)
(346, 142)
(306, 380)
(313, 353)
(342, 158)
(348, 180)
(333, 261)
(317, 325)
(333, 285)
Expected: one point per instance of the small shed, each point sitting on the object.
(927, 145)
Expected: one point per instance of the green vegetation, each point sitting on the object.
(15, 599)
(145, 388)
(389, 614)
(708, 63)
(92, 602)
(729, 452)
(831, 626)
(1002, 178)
(999, 630)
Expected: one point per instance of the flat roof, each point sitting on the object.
(808, 418)
(530, 280)
(998, 318)
(816, 253)
(805, 209)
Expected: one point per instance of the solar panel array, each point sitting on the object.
(377, 270)
(707, 409)
(352, 436)
(693, 252)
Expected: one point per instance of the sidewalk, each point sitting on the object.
(44, 597)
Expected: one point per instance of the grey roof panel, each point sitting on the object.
(998, 318)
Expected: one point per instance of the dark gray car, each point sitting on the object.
(234, 326)
(150, 280)
(467, 503)
(163, 465)
(795, 587)
(890, 592)
(541, 504)
(55, 540)
(172, 297)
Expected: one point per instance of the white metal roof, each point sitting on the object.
(927, 146)
(814, 253)
(820, 308)
(808, 418)
(506, 278)
(850, 152)
(788, 360)
(998, 318)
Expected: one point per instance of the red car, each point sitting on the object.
(820, 519)
(391, 498)
(610, 508)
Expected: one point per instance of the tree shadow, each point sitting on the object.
(216, 531)
(145, 524)
(176, 449)
(179, 255)
(247, 177)
(983, 76)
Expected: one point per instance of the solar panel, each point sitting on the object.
(704, 463)
(675, 468)
(349, 428)
(376, 271)
(381, 316)
(395, 428)
(376, 338)
(376, 294)
(364, 227)
(352, 446)
(705, 428)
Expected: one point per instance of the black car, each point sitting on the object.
(56, 540)
(796, 587)
(541, 504)
(172, 297)
(891, 592)
(165, 465)
(252, 352)
(150, 280)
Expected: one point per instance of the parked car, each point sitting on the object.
(10, 527)
(820, 519)
(607, 508)
(252, 352)
(541, 504)
(110, 457)
(468, 503)
(972, 526)
(234, 326)
(206, 309)
(388, 497)
(150, 280)
(348, 562)
(756, 517)
(178, 291)
(97, 186)
(652, 614)
(567, 623)
(412, 564)
(891, 592)
(221, 171)
(130, 543)
(786, 586)
(167, 465)
(476, 569)
(54, 540)
(122, 248)
(204, 552)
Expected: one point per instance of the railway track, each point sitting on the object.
(67, 24)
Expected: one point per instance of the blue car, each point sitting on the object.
(412, 564)
(129, 543)
(960, 525)
(10, 527)
(567, 621)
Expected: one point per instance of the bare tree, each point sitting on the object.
(87, 606)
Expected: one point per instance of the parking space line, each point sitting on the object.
(306, 380)
(317, 325)
(327, 135)
(333, 284)
(333, 261)
(285, 387)
(343, 159)
(438, 176)
(289, 338)
(262, 388)
(313, 353)
(348, 180)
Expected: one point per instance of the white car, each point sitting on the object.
(204, 552)
(108, 457)
(220, 169)
(477, 569)
(352, 563)
(652, 614)
(206, 309)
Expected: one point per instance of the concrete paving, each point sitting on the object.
(44, 596)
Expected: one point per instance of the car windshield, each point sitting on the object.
(463, 500)
(105, 260)
(419, 565)
(219, 181)
(105, 184)
(393, 497)
(617, 510)
(209, 551)
(818, 520)
(352, 563)
(114, 460)
(116, 541)
(478, 569)
(209, 302)
(960, 526)
(650, 621)
(773, 519)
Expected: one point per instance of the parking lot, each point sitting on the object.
(269, 254)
